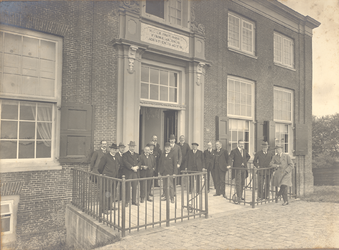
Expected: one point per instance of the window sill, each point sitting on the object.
(29, 165)
(242, 53)
(285, 67)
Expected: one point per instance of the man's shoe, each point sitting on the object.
(163, 195)
(135, 203)
(163, 199)
(242, 199)
(142, 200)
(105, 212)
(285, 203)
(259, 199)
(150, 194)
(216, 194)
(126, 205)
(150, 200)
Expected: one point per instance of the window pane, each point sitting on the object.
(10, 83)
(5, 209)
(5, 223)
(247, 37)
(163, 93)
(1, 67)
(163, 77)
(173, 95)
(45, 112)
(173, 79)
(243, 99)
(12, 44)
(9, 110)
(47, 69)
(154, 89)
(155, 8)
(43, 149)
(8, 149)
(30, 86)
(1, 42)
(47, 87)
(8, 130)
(154, 76)
(240, 135)
(233, 31)
(47, 50)
(30, 47)
(243, 110)
(144, 74)
(29, 66)
(27, 111)
(27, 130)
(234, 135)
(237, 109)
(26, 149)
(247, 136)
(277, 48)
(12, 64)
(144, 90)
(44, 130)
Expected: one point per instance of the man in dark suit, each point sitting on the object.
(262, 159)
(156, 155)
(167, 165)
(177, 152)
(109, 166)
(220, 168)
(131, 171)
(118, 156)
(147, 166)
(185, 148)
(96, 157)
(239, 157)
(156, 151)
(195, 162)
(209, 162)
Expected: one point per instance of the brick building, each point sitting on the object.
(74, 73)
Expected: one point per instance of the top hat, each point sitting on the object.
(132, 143)
(172, 137)
(113, 146)
(194, 143)
(167, 144)
(121, 145)
(265, 143)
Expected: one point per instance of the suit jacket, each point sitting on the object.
(95, 160)
(130, 161)
(109, 166)
(195, 161)
(185, 148)
(209, 159)
(236, 160)
(220, 159)
(177, 152)
(150, 164)
(121, 164)
(283, 175)
(167, 165)
(262, 160)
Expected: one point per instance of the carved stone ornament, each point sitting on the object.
(130, 6)
(195, 27)
(200, 69)
(131, 58)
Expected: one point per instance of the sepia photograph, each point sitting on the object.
(169, 124)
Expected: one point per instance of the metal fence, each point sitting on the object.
(109, 200)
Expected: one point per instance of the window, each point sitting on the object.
(6, 217)
(283, 117)
(30, 83)
(239, 130)
(241, 34)
(283, 50)
(174, 12)
(159, 84)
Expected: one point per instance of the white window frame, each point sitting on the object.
(11, 213)
(250, 138)
(185, 13)
(242, 21)
(289, 122)
(16, 165)
(281, 60)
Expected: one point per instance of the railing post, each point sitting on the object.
(123, 202)
(253, 187)
(206, 193)
(168, 201)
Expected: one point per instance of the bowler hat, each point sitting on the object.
(194, 143)
(167, 144)
(151, 143)
(113, 146)
(121, 145)
(172, 137)
(132, 143)
(265, 143)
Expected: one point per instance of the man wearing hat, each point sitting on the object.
(109, 166)
(262, 159)
(131, 166)
(97, 155)
(167, 166)
(185, 148)
(283, 174)
(147, 166)
(195, 162)
(220, 168)
(209, 162)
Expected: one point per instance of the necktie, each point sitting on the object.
(166, 155)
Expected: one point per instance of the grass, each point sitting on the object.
(323, 194)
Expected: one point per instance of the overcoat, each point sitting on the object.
(178, 155)
(185, 148)
(129, 161)
(195, 161)
(167, 165)
(95, 160)
(283, 174)
(209, 159)
(109, 166)
(221, 159)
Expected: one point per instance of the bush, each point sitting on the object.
(324, 161)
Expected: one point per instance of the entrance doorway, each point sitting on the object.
(157, 121)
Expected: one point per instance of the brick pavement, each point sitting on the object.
(298, 225)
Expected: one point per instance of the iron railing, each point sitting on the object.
(105, 199)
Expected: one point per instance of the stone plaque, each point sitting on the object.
(164, 38)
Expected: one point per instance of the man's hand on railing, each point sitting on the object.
(178, 165)
(228, 167)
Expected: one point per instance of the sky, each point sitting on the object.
(325, 52)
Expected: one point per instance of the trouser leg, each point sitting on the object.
(149, 183)
(284, 192)
(217, 180)
(222, 176)
(214, 177)
(142, 184)
(260, 186)
(238, 183)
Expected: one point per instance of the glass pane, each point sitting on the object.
(247, 136)
(234, 135)
(27, 130)
(29, 86)
(163, 77)
(243, 88)
(230, 85)
(249, 100)
(47, 69)
(5, 224)
(144, 90)
(249, 111)
(43, 149)
(1, 67)
(8, 149)
(286, 138)
(44, 130)
(173, 95)
(155, 8)
(243, 110)
(234, 145)
(45, 112)
(154, 89)
(240, 135)
(46, 87)
(27, 111)
(9, 110)
(10, 83)
(163, 93)
(5, 208)
(1, 42)
(29, 66)
(12, 64)
(12, 44)
(231, 108)
(249, 89)
(47, 50)
(30, 47)
(237, 86)
(243, 98)
(173, 79)
(8, 130)
(26, 149)
(154, 76)
(237, 109)
(144, 74)
(237, 97)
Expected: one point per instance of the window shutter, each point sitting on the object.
(260, 134)
(76, 133)
(222, 130)
(271, 134)
(301, 139)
